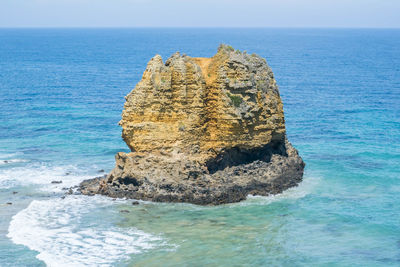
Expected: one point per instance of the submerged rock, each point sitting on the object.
(204, 131)
(124, 211)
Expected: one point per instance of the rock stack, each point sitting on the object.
(204, 131)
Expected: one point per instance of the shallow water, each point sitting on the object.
(61, 94)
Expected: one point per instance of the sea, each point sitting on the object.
(61, 97)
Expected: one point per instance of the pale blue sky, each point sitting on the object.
(205, 13)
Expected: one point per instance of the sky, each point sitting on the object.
(205, 13)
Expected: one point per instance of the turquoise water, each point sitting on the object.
(61, 96)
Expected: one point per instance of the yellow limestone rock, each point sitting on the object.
(199, 106)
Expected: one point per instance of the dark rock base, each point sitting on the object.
(231, 184)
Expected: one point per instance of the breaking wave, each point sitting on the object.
(42, 174)
(70, 232)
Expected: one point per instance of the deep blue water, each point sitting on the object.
(61, 96)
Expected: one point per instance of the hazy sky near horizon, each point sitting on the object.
(205, 13)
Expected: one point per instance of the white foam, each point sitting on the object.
(10, 158)
(11, 161)
(65, 234)
(303, 189)
(42, 174)
(9, 155)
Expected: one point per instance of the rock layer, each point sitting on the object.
(205, 131)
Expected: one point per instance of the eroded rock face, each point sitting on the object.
(205, 131)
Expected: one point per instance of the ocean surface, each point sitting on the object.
(61, 97)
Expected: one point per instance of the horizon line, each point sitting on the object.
(198, 27)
